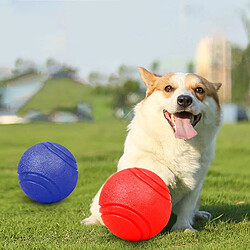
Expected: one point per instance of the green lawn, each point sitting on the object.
(25, 224)
(65, 94)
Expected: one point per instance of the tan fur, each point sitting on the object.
(211, 89)
(155, 82)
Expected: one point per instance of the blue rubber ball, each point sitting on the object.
(47, 172)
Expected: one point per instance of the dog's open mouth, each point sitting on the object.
(183, 124)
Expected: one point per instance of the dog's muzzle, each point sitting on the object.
(184, 101)
(183, 123)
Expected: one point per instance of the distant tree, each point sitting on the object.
(241, 69)
(19, 61)
(190, 67)
(126, 72)
(123, 93)
(124, 87)
(241, 75)
(246, 23)
(23, 65)
(131, 86)
(123, 71)
(114, 80)
(1, 99)
(95, 78)
(51, 62)
(155, 66)
(68, 69)
(119, 100)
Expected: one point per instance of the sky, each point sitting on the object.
(101, 35)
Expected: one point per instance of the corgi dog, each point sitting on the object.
(173, 134)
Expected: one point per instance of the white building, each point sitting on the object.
(213, 61)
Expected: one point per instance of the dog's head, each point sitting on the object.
(183, 100)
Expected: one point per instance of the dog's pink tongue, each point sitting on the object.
(184, 128)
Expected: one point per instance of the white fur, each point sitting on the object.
(182, 164)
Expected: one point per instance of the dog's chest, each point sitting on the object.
(183, 160)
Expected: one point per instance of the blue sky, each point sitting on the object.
(101, 35)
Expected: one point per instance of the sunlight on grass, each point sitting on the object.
(65, 94)
(97, 146)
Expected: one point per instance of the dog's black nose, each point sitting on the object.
(184, 100)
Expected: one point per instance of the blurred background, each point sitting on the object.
(69, 61)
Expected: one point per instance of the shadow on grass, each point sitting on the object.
(227, 212)
(223, 212)
(32, 203)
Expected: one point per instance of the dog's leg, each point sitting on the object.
(95, 217)
(147, 162)
(185, 210)
(201, 215)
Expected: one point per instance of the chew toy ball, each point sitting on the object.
(135, 204)
(47, 172)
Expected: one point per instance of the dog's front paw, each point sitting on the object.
(90, 221)
(202, 215)
(184, 228)
(188, 230)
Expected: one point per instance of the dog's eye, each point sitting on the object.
(168, 88)
(199, 90)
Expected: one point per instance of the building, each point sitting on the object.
(213, 62)
(16, 90)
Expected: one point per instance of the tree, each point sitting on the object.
(241, 69)
(51, 62)
(246, 23)
(126, 72)
(123, 93)
(23, 65)
(131, 86)
(1, 99)
(95, 78)
(155, 66)
(190, 67)
(241, 75)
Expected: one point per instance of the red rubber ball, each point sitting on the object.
(135, 204)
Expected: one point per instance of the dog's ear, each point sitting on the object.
(217, 85)
(148, 78)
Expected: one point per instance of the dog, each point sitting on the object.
(173, 134)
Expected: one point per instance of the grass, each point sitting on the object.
(65, 94)
(25, 224)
